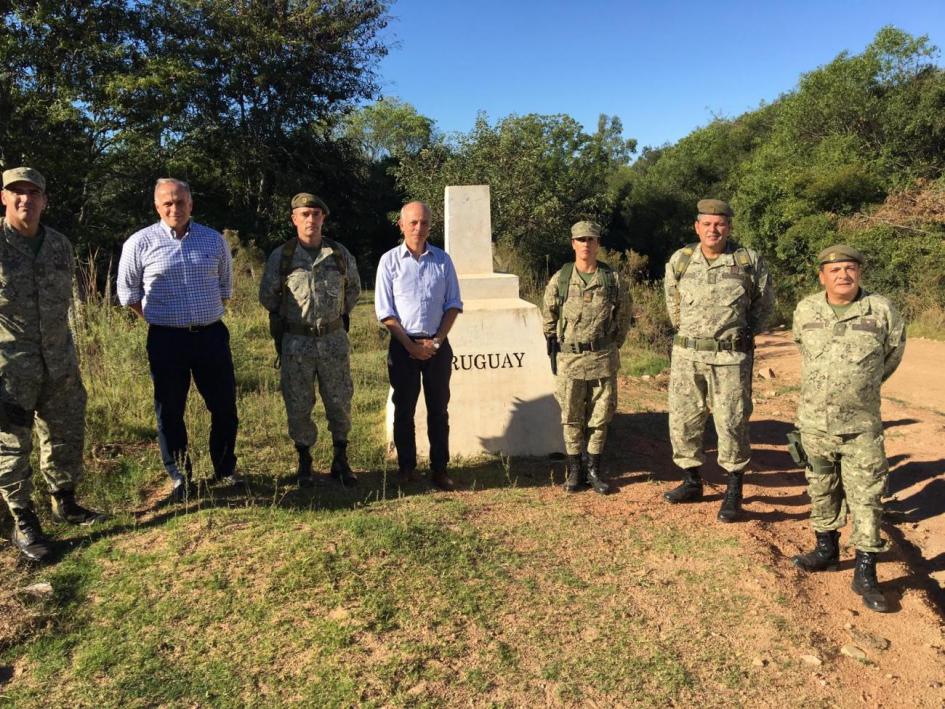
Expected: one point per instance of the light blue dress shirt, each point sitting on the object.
(178, 281)
(416, 291)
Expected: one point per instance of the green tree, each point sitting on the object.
(389, 128)
(238, 96)
(544, 172)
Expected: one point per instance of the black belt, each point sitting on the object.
(601, 343)
(294, 328)
(188, 328)
(708, 344)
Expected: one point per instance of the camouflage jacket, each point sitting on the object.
(845, 360)
(316, 292)
(717, 300)
(588, 314)
(35, 302)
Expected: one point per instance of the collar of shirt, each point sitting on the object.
(404, 252)
(173, 234)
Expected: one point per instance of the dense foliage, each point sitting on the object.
(841, 158)
(239, 97)
(253, 100)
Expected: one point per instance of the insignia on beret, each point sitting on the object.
(840, 252)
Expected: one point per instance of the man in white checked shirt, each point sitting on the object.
(176, 274)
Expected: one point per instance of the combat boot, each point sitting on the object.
(340, 470)
(66, 510)
(28, 535)
(865, 583)
(574, 478)
(689, 491)
(304, 474)
(732, 500)
(825, 556)
(595, 475)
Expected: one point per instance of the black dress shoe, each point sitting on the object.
(441, 481)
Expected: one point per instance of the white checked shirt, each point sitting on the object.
(179, 282)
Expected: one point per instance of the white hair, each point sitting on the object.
(171, 181)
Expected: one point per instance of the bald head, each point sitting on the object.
(414, 224)
(414, 205)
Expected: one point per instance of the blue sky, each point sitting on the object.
(664, 68)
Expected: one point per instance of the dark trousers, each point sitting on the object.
(405, 376)
(174, 355)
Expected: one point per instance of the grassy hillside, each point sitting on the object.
(507, 593)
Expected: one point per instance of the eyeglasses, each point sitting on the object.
(584, 239)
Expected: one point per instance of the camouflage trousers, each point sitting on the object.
(847, 473)
(57, 408)
(695, 388)
(587, 406)
(325, 360)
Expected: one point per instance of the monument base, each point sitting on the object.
(500, 400)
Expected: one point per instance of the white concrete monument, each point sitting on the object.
(502, 390)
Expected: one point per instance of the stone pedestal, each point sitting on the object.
(502, 390)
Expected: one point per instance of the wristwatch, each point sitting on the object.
(436, 343)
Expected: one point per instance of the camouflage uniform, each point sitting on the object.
(316, 295)
(586, 385)
(712, 304)
(39, 368)
(845, 361)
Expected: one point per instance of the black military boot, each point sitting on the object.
(865, 583)
(28, 535)
(825, 556)
(574, 479)
(304, 474)
(66, 510)
(732, 500)
(340, 470)
(594, 475)
(689, 491)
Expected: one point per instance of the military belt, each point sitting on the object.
(708, 344)
(601, 343)
(297, 328)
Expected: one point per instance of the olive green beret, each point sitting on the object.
(840, 252)
(24, 174)
(714, 206)
(306, 199)
(585, 229)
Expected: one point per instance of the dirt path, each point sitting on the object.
(911, 671)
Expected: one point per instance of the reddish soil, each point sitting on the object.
(911, 671)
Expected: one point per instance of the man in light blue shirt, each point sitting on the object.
(417, 299)
(176, 274)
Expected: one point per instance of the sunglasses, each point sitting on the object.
(584, 239)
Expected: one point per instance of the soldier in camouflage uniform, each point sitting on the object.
(719, 296)
(586, 319)
(39, 369)
(310, 287)
(851, 342)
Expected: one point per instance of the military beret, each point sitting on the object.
(840, 252)
(24, 174)
(306, 199)
(714, 206)
(585, 229)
